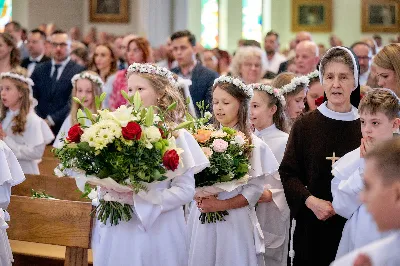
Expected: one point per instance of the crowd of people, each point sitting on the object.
(323, 123)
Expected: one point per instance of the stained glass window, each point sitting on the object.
(252, 19)
(6, 13)
(209, 23)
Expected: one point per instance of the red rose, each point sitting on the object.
(132, 131)
(319, 101)
(75, 133)
(171, 160)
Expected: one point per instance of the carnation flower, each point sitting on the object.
(203, 135)
(207, 151)
(152, 134)
(219, 145)
(218, 134)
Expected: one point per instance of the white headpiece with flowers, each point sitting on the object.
(156, 70)
(296, 81)
(87, 75)
(23, 79)
(237, 82)
(313, 75)
(277, 93)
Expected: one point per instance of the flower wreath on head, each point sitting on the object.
(156, 70)
(270, 90)
(237, 82)
(86, 75)
(19, 77)
(313, 75)
(296, 81)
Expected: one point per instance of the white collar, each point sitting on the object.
(13, 113)
(63, 63)
(37, 59)
(261, 132)
(349, 116)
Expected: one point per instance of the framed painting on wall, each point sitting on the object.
(380, 16)
(312, 15)
(111, 11)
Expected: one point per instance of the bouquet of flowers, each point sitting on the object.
(228, 151)
(122, 152)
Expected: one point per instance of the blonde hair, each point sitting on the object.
(380, 100)
(244, 53)
(20, 119)
(388, 58)
(168, 95)
(96, 91)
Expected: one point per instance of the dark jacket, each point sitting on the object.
(25, 62)
(202, 82)
(54, 97)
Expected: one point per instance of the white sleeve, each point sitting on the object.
(346, 192)
(5, 193)
(25, 151)
(180, 192)
(253, 189)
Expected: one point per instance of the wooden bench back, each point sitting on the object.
(59, 187)
(56, 222)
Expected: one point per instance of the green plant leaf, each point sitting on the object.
(76, 99)
(172, 106)
(185, 124)
(88, 114)
(137, 101)
(80, 116)
(149, 116)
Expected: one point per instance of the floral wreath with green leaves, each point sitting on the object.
(86, 75)
(235, 81)
(296, 81)
(155, 70)
(270, 90)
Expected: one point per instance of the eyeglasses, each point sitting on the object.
(247, 64)
(62, 44)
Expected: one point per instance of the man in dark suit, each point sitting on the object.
(184, 51)
(36, 40)
(53, 82)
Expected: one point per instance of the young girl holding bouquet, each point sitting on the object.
(238, 239)
(156, 234)
(86, 86)
(268, 118)
(21, 129)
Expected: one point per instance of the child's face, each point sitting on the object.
(261, 116)
(225, 107)
(381, 199)
(295, 104)
(84, 90)
(377, 127)
(314, 92)
(147, 92)
(10, 95)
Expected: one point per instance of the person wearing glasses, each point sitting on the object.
(364, 54)
(249, 64)
(52, 80)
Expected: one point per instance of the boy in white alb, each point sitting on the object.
(379, 115)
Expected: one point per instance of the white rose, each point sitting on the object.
(152, 134)
(123, 115)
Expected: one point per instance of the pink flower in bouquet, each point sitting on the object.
(207, 151)
(219, 145)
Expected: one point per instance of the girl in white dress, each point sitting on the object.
(156, 234)
(294, 89)
(268, 118)
(21, 128)
(86, 86)
(380, 117)
(239, 239)
(10, 175)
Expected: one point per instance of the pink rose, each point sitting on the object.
(219, 145)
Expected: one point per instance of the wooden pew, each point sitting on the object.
(49, 162)
(55, 222)
(59, 187)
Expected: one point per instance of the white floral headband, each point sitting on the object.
(17, 77)
(313, 75)
(270, 90)
(237, 82)
(156, 70)
(86, 75)
(296, 81)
